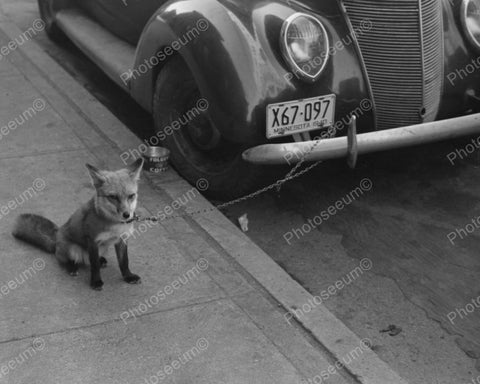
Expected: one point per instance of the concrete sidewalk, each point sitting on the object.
(211, 306)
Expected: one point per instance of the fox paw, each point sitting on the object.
(103, 262)
(72, 268)
(132, 279)
(97, 285)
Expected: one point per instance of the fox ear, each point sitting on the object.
(97, 178)
(135, 168)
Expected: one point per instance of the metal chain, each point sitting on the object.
(278, 184)
(299, 164)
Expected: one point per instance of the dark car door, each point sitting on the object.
(124, 18)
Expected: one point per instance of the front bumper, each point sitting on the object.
(352, 145)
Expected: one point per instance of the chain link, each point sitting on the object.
(302, 160)
(277, 185)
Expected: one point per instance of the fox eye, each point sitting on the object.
(131, 197)
(113, 197)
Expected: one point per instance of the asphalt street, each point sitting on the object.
(391, 248)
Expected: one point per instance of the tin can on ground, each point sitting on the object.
(156, 159)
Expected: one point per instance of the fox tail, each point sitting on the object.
(36, 230)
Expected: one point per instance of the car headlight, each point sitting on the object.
(471, 21)
(304, 44)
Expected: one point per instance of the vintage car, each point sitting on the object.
(237, 85)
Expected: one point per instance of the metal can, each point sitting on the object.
(156, 159)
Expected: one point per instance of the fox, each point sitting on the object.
(93, 228)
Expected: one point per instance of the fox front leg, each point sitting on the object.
(121, 249)
(95, 279)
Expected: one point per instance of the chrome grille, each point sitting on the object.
(403, 55)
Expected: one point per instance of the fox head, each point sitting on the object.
(116, 197)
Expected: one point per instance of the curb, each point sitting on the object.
(329, 331)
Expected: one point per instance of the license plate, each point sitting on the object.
(300, 116)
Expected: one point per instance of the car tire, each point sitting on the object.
(197, 150)
(48, 16)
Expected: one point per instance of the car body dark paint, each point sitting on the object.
(237, 64)
(458, 54)
(242, 44)
(125, 18)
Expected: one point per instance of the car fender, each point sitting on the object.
(235, 60)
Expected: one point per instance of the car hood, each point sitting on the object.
(324, 7)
